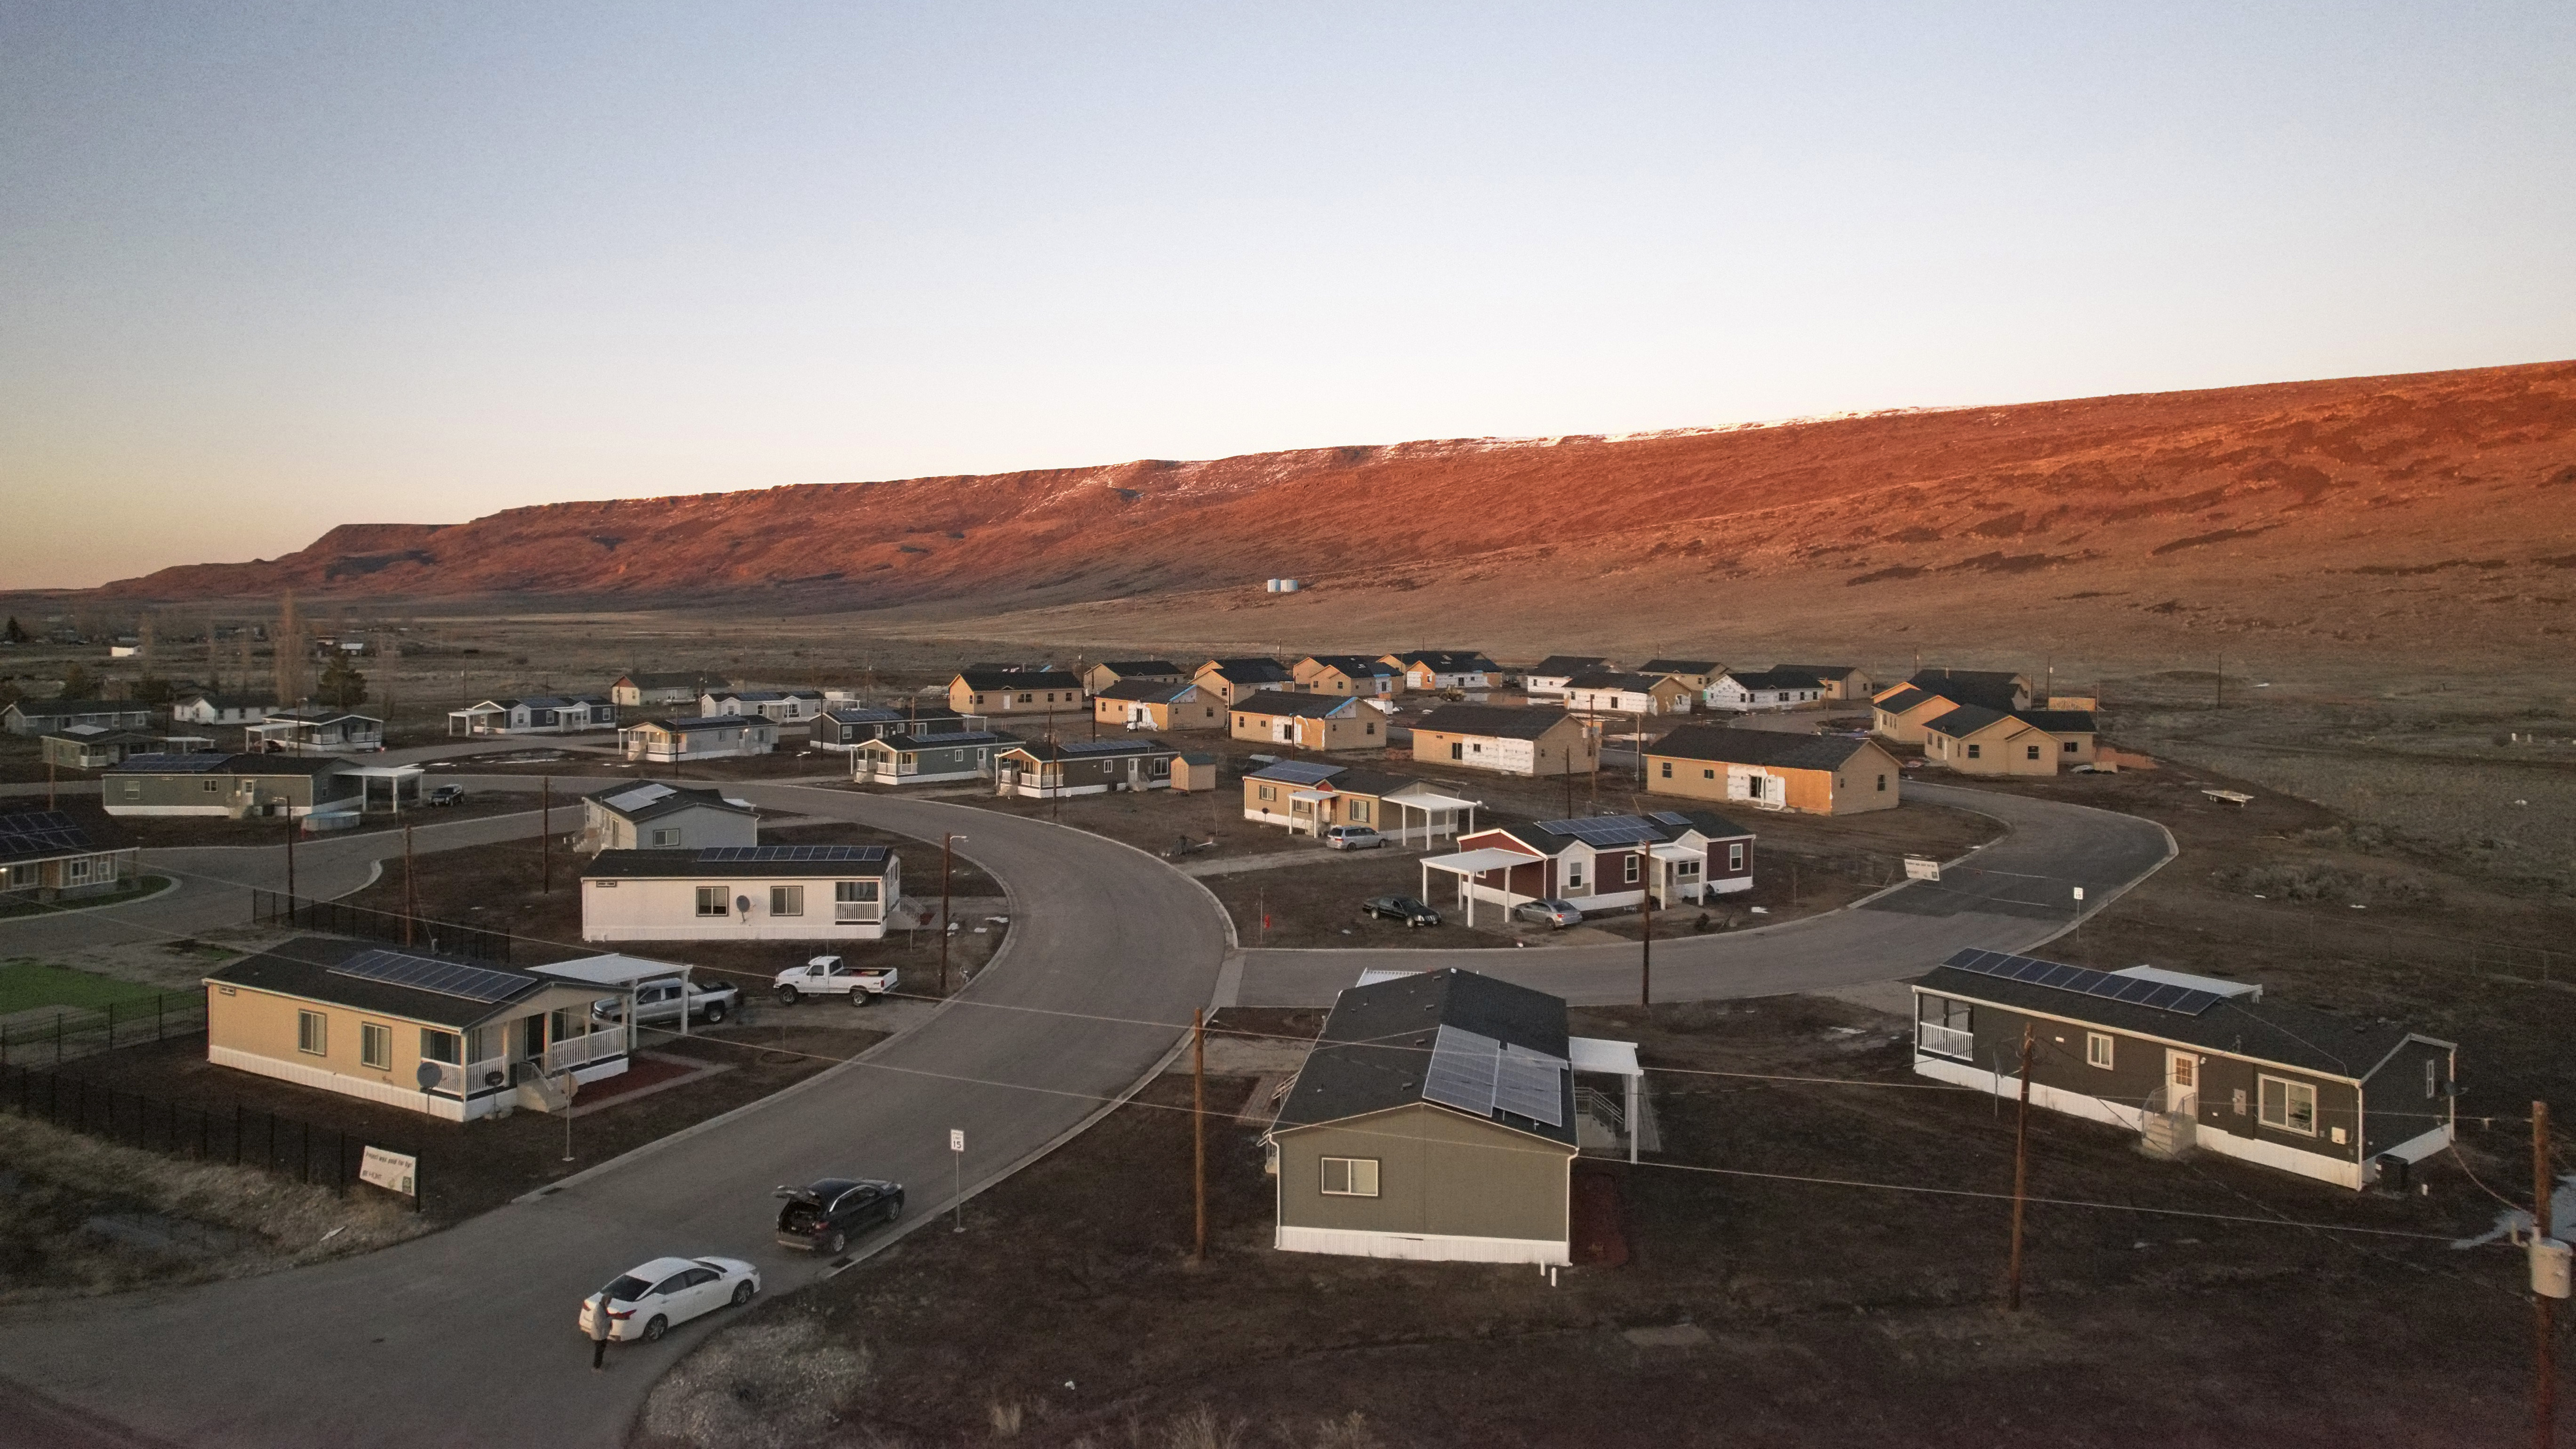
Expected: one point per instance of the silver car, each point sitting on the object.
(1548, 912)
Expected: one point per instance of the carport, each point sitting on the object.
(620, 974)
(1433, 806)
(1466, 865)
(393, 776)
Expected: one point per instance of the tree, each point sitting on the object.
(77, 684)
(153, 689)
(342, 687)
(16, 633)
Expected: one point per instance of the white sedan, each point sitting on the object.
(646, 1301)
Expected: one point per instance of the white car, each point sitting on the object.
(832, 976)
(647, 1300)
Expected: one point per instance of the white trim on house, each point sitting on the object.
(1423, 1247)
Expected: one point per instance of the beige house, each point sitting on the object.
(1110, 672)
(1899, 713)
(1308, 721)
(1698, 674)
(364, 1020)
(1974, 740)
(1812, 774)
(997, 692)
(2073, 730)
(1842, 682)
(1348, 674)
(1530, 740)
(1605, 692)
(1159, 705)
(1309, 797)
(1437, 1119)
(1233, 679)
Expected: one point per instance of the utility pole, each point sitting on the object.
(411, 897)
(947, 862)
(1646, 951)
(1198, 1127)
(289, 803)
(546, 837)
(2544, 1388)
(2021, 1177)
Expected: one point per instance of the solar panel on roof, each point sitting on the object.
(1478, 1074)
(428, 973)
(2180, 1000)
(1298, 772)
(767, 854)
(1097, 747)
(1670, 817)
(1601, 831)
(1531, 1084)
(33, 832)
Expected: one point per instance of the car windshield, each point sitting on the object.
(627, 1288)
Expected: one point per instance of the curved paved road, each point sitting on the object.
(466, 1338)
(2011, 895)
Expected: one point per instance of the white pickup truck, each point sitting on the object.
(831, 976)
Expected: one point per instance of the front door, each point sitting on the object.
(2182, 1082)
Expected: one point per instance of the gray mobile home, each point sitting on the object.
(908, 759)
(235, 786)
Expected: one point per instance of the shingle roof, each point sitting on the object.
(1090, 749)
(1157, 691)
(1253, 671)
(1709, 823)
(1823, 671)
(1903, 698)
(1126, 667)
(2058, 721)
(695, 723)
(675, 679)
(1358, 666)
(2293, 1036)
(1989, 687)
(230, 765)
(1500, 721)
(1376, 783)
(1376, 1046)
(1605, 679)
(1556, 664)
(302, 967)
(1768, 748)
(1780, 678)
(1296, 772)
(1448, 661)
(694, 865)
(42, 708)
(941, 740)
(1966, 720)
(1678, 666)
(1302, 706)
(1019, 679)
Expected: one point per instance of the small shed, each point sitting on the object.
(1194, 770)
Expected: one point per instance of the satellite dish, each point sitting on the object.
(427, 1076)
(742, 904)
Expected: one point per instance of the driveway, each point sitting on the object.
(466, 1337)
(2011, 895)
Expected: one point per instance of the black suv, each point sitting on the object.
(823, 1216)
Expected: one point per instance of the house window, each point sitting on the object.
(2070, 748)
(1269, 792)
(210, 786)
(1350, 1177)
(1359, 812)
(1457, 751)
(1708, 774)
(1668, 769)
(2290, 1106)
(2032, 752)
(1632, 868)
(78, 869)
(2097, 1049)
(854, 892)
(440, 1046)
(1574, 875)
(376, 1045)
(711, 900)
(1369, 728)
(787, 900)
(1735, 858)
(1976, 751)
(666, 837)
(312, 1033)
(1882, 782)
(2432, 1078)
(1239, 721)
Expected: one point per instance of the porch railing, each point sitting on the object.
(581, 1051)
(1948, 1041)
(456, 1081)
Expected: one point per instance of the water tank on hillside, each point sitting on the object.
(1271, 587)
(1287, 586)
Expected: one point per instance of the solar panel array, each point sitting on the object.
(770, 854)
(1600, 831)
(1299, 772)
(2181, 1000)
(1478, 1074)
(426, 973)
(639, 797)
(26, 833)
(1099, 747)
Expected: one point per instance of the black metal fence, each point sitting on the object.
(276, 908)
(77, 1033)
(271, 1141)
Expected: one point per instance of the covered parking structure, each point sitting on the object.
(1466, 865)
(395, 777)
(622, 976)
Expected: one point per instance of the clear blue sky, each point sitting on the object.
(266, 268)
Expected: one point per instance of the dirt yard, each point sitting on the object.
(1752, 1309)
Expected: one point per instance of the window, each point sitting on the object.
(666, 837)
(2032, 752)
(1882, 782)
(1269, 792)
(210, 786)
(1976, 751)
(1735, 858)
(2071, 748)
(1708, 774)
(854, 891)
(2290, 1106)
(1574, 876)
(1238, 721)
(1359, 812)
(312, 1033)
(133, 789)
(2432, 1078)
(787, 900)
(376, 1045)
(1350, 1177)
(77, 869)
(1457, 751)
(711, 900)
(440, 1046)
(1369, 728)
(1632, 868)
(2097, 1049)
(1668, 769)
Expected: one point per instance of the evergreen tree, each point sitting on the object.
(77, 684)
(342, 687)
(15, 633)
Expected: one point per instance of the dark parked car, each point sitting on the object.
(446, 795)
(1400, 908)
(823, 1216)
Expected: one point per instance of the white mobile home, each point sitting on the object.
(741, 893)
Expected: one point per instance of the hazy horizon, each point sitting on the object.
(272, 270)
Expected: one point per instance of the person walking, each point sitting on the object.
(599, 1331)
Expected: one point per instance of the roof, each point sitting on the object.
(1019, 679)
(1823, 671)
(40, 835)
(1358, 666)
(612, 970)
(303, 967)
(33, 708)
(938, 741)
(1252, 671)
(1556, 664)
(1767, 748)
(674, 679)
(209, 763)
(886, 714)
(1158, 691)
(1126, 667)
(1376, 1047)
(1678, 666)
(765, 696)
(2268, 1031)
(1448, 661)
(1605, 679)
(641, 800)
(1782, 677)
(1903, 698)
(1303, 706)
(1501, 721)
(741, 862)
(1296, 772)
(1375, 783)
(1992, 688)
(1091, 749)
(227, 701)
(1663, 827)
(1966, 720)
(2058, 721)
(1197, 757)
(694, 723)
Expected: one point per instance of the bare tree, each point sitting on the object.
(290, 652)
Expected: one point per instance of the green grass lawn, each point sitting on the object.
(26, 985)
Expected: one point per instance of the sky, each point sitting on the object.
(267, 268)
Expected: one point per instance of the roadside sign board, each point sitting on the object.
(1922, 867)
(956, 1139)
(2079, 893)
(392, 1171)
